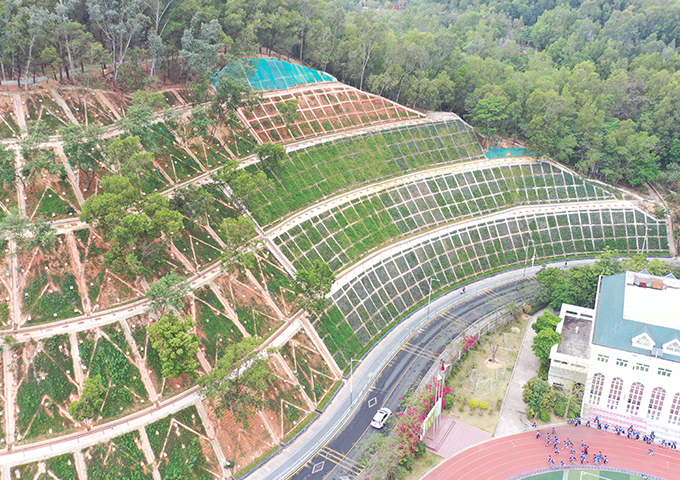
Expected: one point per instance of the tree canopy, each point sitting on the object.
(240, 380)
(314, 283)
(177, 348)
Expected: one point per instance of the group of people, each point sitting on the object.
(630, 432)
(554, 442)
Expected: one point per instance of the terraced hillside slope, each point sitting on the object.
(401, 204)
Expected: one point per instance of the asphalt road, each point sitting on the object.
(342, 454)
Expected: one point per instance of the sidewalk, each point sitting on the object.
(513, 417)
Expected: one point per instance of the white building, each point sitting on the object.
(626, 351)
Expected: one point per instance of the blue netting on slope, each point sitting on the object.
(270, 74)
(508, 152)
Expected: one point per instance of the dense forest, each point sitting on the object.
(592, 84)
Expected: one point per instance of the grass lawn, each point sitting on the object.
(423, 465)
(463, 388)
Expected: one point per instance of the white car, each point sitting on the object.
(380, 418)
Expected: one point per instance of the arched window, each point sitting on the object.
(635, 398)
(656, 403)
(596, 389)
(615, 394)
(674, 417)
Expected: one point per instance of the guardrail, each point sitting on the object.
(453, 353)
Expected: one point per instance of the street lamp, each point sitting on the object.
(429, 298)
(526, 257)
(351, 380)
(644, 242)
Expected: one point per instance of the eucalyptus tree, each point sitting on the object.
(121, 22)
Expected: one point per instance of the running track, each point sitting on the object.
(503, 458)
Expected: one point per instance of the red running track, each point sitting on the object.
(503, 458)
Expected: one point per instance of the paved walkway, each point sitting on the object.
(455, 436)
(513, 418)
(506, 457)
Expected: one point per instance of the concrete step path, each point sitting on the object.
(513, 418)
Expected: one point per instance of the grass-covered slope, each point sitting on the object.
(317, 172)
(344, 234)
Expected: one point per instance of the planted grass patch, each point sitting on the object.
(51, 296)
(53, 206)
(120, 377)
(215, 329)
(383, 291)
(319, 171)
(339, 337)
(309, 366)
(44, 392)
(62, 467)
(274, 278)
(344, 234)
(181, 448)
(257, 320)
(121, 458)
(204, 247)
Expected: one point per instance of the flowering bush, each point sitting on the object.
(469, 342)
(398, 450)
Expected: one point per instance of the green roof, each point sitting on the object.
(613, 331)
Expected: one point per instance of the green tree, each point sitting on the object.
(315, 284)
(44, 235)
(674, 152)
(245, 188)
(168, 293)
(14, 226)
(289, 111)
(271, 155)
(120, 22)
(240, 380)
(543, 342)
(137, 227)
(8, 167)
(201, 44)
(80, 145)
(231, 94)
(37, 158)
(238, 234)
(140, 115)
(546, 321)
(369, 33)
(90, 402)
(489, 115)
(194, 202)
(176, 347)
(538, 395)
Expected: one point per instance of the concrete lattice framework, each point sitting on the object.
(379, 288)
(344, 233)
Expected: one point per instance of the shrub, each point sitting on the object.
(474, 403)
(461, 408)
(531, 413)
(421, 448)
(448, 401)
(560, 409)
(544, 416)
(574, 410)
(538, 394)
(483, 405)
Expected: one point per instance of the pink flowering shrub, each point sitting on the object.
(469, 342)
